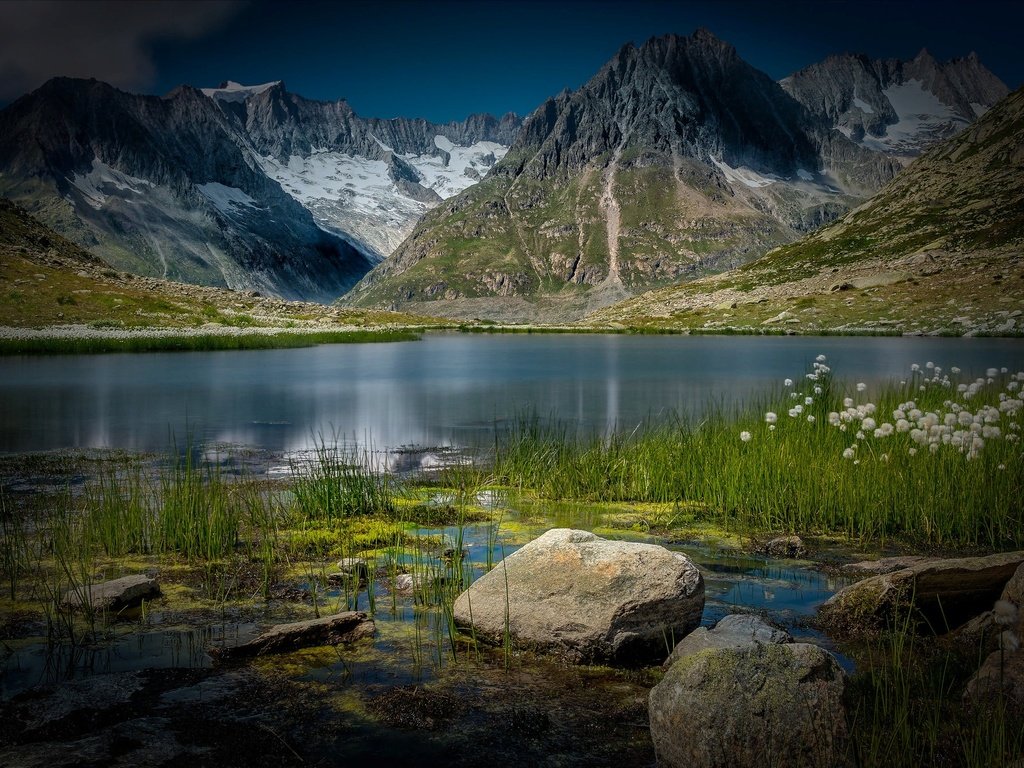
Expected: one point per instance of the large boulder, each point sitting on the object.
(345, 627)
(763, 704)
(114, 595)
(586, 598)
(738, 630)
(941, 593)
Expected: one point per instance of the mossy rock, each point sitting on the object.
(775, 704)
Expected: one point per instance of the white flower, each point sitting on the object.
(868, 423)
(793, 413)
(1005, 613)
(771, 417)
(771, 427)
(810, 419)
(915, 367)
(992, 372)
(954, 369)
(912, 451)
(745, 437)
(821, 358)
(929, 364)
(817, 390)
(902, 425)
(808, 401)
(849, 453)
(788, 383)
(860, 435)
(861, 386)
(847, 402)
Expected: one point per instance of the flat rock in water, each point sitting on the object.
(345, 627)
(736, 707)
(943, 593)
(867, 568)
(586, 598)
(736, 631)
(113, 595)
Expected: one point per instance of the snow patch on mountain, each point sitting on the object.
(349, 195)
(102, 180)
(463, 167)
(356, 198)
(743, 175)
(227, 200)
(921, 116)
(232, 91)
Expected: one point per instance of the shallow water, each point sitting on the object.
(412, 644)
(446, 390)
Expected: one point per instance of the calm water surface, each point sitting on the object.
(446, 390)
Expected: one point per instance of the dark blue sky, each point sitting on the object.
(443, 60)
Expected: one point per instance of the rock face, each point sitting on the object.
(896, 107)
(346, 627)
(945, 219)
(943, 593)
(774, 704)
(114, 595)
(735, 631)
(587, 599)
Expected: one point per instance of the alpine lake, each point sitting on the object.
(410, 457)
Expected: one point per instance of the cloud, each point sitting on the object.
(110, 40)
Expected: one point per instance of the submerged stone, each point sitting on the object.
(587, 599)
(773, 704)
(345, 627)
(113, 595)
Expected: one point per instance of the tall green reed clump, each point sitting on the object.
(932, 459)
(339, 483)
(907, 708)
(185, 507)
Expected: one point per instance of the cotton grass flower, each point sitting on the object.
(746, 437)
(771, 417)
(861, 386)
(849, 453)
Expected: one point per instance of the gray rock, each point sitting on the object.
(1001, 676)
(736, 631)
(775, 704)
(786, 546)
(346, 627)
(113, 595)
(350, 569)
(587, 599)
(942, 593)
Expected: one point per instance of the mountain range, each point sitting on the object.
(676, 160)
(940, 250)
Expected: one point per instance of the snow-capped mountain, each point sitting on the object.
(248, 187)
(895, 107)
(364, 179)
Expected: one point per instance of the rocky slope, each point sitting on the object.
(233, 186)
(896, 107)
(46, 280)
(676, 159)
(939, 250)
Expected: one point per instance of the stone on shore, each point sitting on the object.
(114, 595)
(764, 704)
(346, 627)
(790, 547)
(586, 599)
(941, 593)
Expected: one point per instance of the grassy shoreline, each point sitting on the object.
(199, 342)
